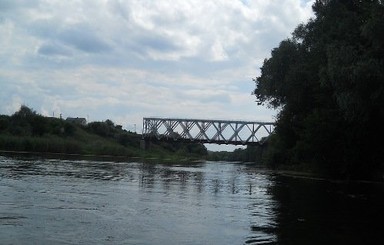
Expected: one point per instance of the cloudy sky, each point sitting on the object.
(128, 59)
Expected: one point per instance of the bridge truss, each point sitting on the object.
(207, 131)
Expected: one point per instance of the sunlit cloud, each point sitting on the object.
(125, 60)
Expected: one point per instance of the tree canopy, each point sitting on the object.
(327, 81)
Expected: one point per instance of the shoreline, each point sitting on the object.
(95, 157)
(319, 177)
(119, 158)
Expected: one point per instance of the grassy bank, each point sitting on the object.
(26, 131)
(89, 147)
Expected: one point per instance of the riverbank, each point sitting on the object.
(296, 174)
(27, 132)
(105, 157)
(322, 177)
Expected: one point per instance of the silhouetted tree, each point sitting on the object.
(328, 82)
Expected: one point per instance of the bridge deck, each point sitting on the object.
(207, 131)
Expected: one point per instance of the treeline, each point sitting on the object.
(26, 122)
(254, 154)
(327, 80)
(24, 131)
(28, 131)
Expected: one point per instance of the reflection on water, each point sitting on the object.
(326, 212)
(87, 202)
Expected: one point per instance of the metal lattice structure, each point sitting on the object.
(207, 131)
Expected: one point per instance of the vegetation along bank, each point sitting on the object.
(327, 81)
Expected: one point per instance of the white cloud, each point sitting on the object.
(124, 60)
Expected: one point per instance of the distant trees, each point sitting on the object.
(327, 80)
(252, 153)
(110, 130)
(26, 130)
(103, 129)
(26, 122)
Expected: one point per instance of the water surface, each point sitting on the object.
(91, 202)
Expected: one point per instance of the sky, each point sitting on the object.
(127, 59)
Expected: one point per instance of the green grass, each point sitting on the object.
(84, 143)
(27, 131)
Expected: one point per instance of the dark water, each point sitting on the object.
(88, 202)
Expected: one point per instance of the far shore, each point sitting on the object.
(113, 158)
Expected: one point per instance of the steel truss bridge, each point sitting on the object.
(207, 131)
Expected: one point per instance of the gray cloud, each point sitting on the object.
(12, 5)
(54, 49)
(157, 43)
(83, 38)
(123, 60)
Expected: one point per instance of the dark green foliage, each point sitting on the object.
(39, 144)
(109, 130)
(69, 129)
(220, 156)
(101, 128)
(129, 139)
(181, 148)
(4, 123)
(195, 148)
(250, 154)
(27, 122)
(328, 82)
(27, 131)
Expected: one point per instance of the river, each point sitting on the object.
(47, 201)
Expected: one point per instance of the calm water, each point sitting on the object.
(88, 202)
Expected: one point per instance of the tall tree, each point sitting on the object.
(328, 82)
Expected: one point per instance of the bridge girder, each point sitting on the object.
(207, 131)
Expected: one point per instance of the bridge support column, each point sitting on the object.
(144, 144)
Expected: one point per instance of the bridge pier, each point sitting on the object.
(144, 144)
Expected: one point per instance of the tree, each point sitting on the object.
(328, 83)
(27, 122)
